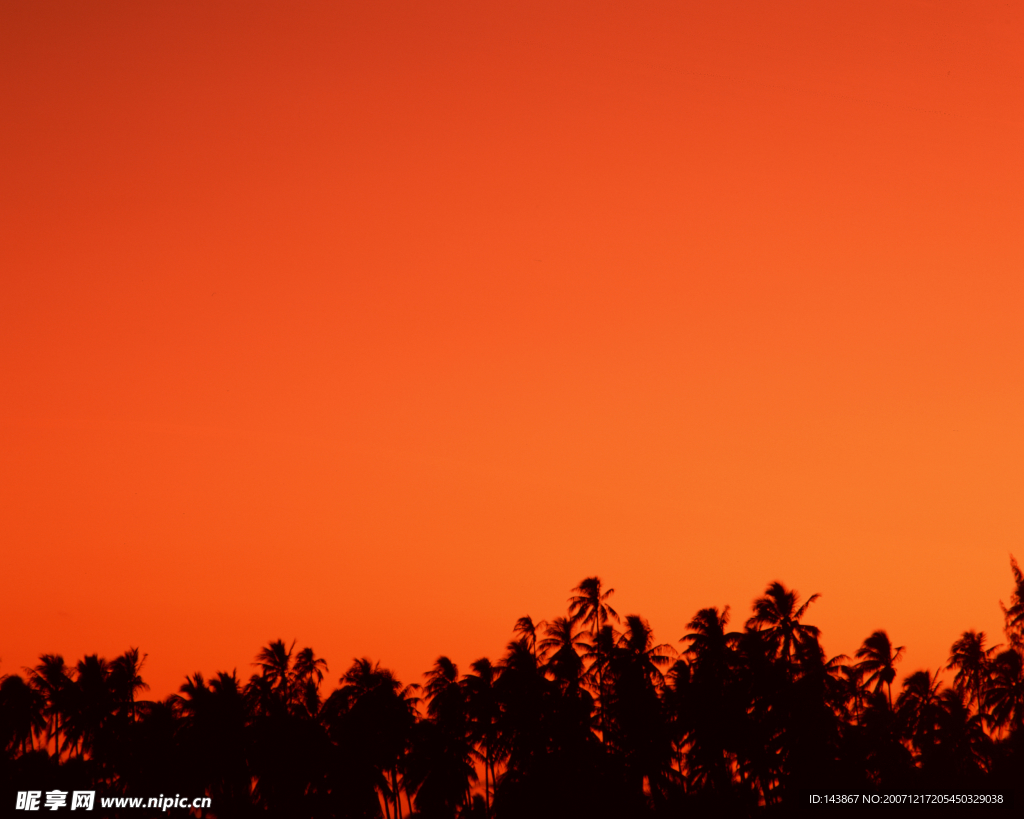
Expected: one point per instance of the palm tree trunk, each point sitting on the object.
(487, 788)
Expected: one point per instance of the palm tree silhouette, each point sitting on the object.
(561, 651)
(776, 619)
(529, 631)
(589, 607)
(52, 679)
(441, 763)
(971, 660)
(962, 747)
(878, 661)
(737, 722)
(216, 737)
(709, 713)
(308, 674)
(21, 714)
(635, 718)
(918, 702)
(483, 711)
(710, 647)
(92, 703)
(1014, 613)
(376, 712)
(274, 662)
(1004, 691)
(126, 679)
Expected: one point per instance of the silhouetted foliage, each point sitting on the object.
(584, 714)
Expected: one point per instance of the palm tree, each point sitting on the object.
(636, 649)
(707, 713)
(918, 703)
(528, 630)
(776, 619)
(372, 716)
(522, 693)
(21, 714)
(274, 661)
(561, 649)
(92, 703)
(216, 737)
(52, 679)
(126, 679)
(878, 661)
(589, 606)
(884, 730)
(441, 761)
(1014, 613)
(971, 660)
(710, 647)
(856, 693)
(483, 711)
(962, 748)
(635, 720)
(1004, 691)
(446, 706)
(308, 672)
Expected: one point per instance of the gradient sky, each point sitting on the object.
(379, 325)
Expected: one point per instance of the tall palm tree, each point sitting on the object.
(636, 720)
(52, 679)
(372, 716)
(441, 762)
(528, 630)
(884, 731)
(971, 660)
(522, 693)
(1014, 613)
(308, 671)
(561, 651)
(446, 698)
(810, 715)
(589, 607)
(21, 714)
(1004, 691)
(962, 748)
(126, 678)
(92, 703)
(706, 704)
(483, 711)
(710, 646)
(776, 619)
(274, 662)
(636, 649)
(918, 703)
(878, 661)
(216, 723)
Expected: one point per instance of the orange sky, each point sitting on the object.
(381, 324)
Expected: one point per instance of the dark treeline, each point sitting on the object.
(583, 715)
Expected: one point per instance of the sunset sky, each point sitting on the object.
(381, 324)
